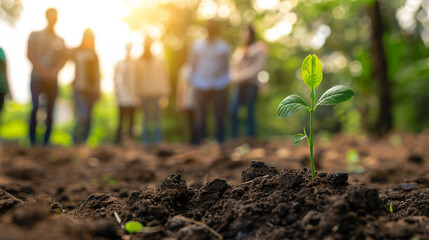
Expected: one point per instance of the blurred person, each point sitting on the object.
(86, 84)
(209, 60)
(4, 86)
(46, 51)
(186, 99)
(152, 84)
(246, 62)
(125, 77)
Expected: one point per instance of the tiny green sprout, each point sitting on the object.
(312, 75)
(390, 208)
(133, 226)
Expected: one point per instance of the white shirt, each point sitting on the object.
(125, 77)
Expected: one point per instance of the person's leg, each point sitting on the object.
(157, 120)
(131, 112)
(234, 107)
(80, 109)
(35, 93)
(251, 98)
(146, 121)
(89, 102)
(51, 92)
(2, 95)
(220, 100)
(200, 115)
(121, 111)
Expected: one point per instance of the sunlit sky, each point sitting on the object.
(104, 17)
(112, 33)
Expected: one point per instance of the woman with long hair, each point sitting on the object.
(246, 62)
(86, 85)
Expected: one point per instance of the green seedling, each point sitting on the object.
(312, 75)
(390, 208)
(132, 227)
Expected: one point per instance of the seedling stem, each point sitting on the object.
(312, 75)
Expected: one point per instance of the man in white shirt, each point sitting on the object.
(209, 60)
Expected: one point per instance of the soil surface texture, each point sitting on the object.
(365, 189)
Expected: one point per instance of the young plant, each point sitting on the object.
(132, 227)
(312, 75)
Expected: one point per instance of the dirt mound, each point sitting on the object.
(217, 191)
(99, 205)
(279, 205)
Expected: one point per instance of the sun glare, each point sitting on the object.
(265, 4)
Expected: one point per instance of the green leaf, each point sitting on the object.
(133, 227)
(335, 95)
(290, 105)
(311, 71)
(298, 138)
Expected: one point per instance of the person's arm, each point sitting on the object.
(7, 80)
(42, 71)
(192, 60)
(116, 79)
(97, 76)
(251, 70)
(233, 67)
(225, 66)
(165, 78)
(61, 62)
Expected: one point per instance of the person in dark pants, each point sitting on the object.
(186, 100)
(4, 87)
(86, 85)
(46, 52)
(153, 84)
(246, 62)
(209, 60)
(125, 77)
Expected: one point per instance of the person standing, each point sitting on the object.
(186, 99)
(46, 52)
(246, 62)
(4, 87)
(209, 60)
(125, 77)
(153, 84)
(86, 85)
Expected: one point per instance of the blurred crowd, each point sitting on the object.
(141, 83)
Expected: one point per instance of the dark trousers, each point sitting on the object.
(125, 113)
(244, 95)
(152, 132)
(190, 118)
(84, 103)
(2, 95)
(217, 98)
(50, 90)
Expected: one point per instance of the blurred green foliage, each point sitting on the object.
(338, 31)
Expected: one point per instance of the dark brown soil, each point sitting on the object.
(257, 190)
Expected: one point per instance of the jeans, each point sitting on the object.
(204, 98)
(84, 102)
(50, 90)
(151, 121)
(125, 113)
(245, 94)
(2, 95)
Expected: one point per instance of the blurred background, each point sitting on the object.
(378, 48)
